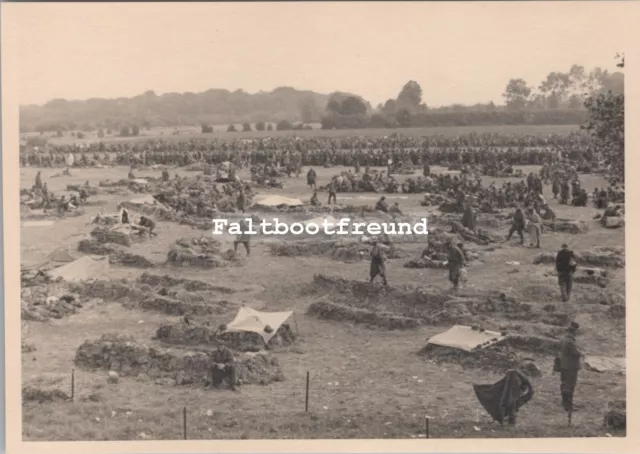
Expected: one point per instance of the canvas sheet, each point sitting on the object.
(277, 200)
(249, 319)
(605, 364)
(464, 338)
(84, 268)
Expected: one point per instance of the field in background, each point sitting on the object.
(365, 383)
(220, 133)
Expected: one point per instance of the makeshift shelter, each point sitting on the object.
(145, 200)
(277, 200)
(466, 338)
(250, 320)
(83, 269)
(504, 398)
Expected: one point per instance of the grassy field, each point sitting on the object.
(365, 383)
(187, 133)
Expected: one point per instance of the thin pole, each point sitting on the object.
(73, 383)
(184, 422)
(306, 400)
(295, 320)
(426, 426)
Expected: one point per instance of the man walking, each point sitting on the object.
(565, 266)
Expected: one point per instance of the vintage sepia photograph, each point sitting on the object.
(294, 221)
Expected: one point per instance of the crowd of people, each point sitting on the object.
(489, 149)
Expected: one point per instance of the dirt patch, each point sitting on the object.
(617, 311)
(118, 255)
(333, 311)
(32, 394)
(193, 334)
(129, 358)
(27, 348)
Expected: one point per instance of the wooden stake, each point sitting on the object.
(306, 400)
(426, 426)
(73, 383)
(295, 320)
(184, 422)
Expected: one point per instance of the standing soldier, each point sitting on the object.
(311, 178)
(568, 364)
(377, 263)
(332, 191)
(565, 266)
(455, 263)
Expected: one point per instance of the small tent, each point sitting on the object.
(83, 269)
(466, 338)
(251, 320)
(56, 258)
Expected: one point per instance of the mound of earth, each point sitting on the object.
(535, 344)
(108, 235)
(33, 394)
(189, 285)
(406, 300)
(111, 184)
(566, 226)
(127, 357)
(172, 306)
(193, 334)
(426, 262)
(594, 276)
(91, 190)
(202, 253)
(118, 255)
(333, 311)
(337, 250)
(112, 290)
(493, 358)
(43, 302)
(598, 257)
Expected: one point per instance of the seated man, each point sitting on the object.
(314, 199)
(223, 367)
(148, 224)
(381, 205)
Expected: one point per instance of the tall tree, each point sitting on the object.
(606, 126)
(516, 94)
(410, 97)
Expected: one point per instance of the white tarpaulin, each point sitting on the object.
(277, 200)
(319, 221)
(251, 320)
(145, 200)
(84, 268)
(605, 364)
(70, 160)
(140, 181)
(465, 338)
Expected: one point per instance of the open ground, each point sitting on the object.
(365, 382)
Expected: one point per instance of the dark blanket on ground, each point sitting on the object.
(506, 396)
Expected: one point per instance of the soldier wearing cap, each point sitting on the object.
(569, 365)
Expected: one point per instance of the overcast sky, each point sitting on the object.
(458, 52)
